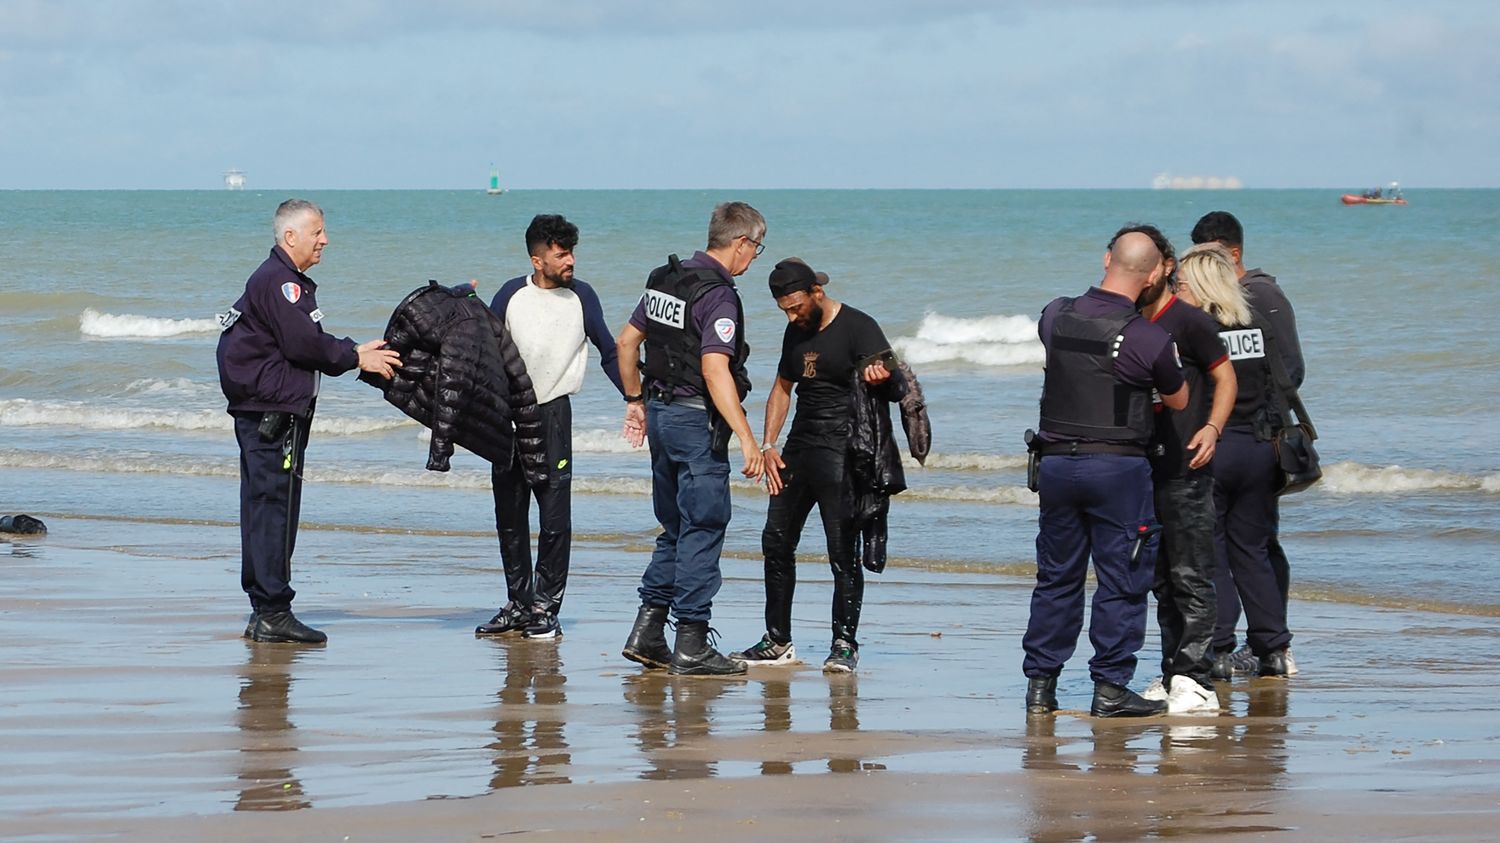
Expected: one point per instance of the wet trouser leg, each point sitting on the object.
(1185, 600)
(555, 506)
(512, 503)
(690, 495)
(830, 486)
(1245, 506)
(270, 507)
(786, 514)
(1091, 505)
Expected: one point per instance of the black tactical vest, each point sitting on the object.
(1081, 396)
(674, 348)
(1247, 348)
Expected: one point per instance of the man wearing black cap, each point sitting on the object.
(825, 343)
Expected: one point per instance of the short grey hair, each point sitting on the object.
(289, 213)
(732, 220)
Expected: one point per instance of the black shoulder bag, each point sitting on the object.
(1296, 459)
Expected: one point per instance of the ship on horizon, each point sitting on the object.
(234, 179)
(1167, 181)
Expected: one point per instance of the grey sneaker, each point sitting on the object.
(842, 658)
(510, 619)
(767, 652)
(543, 624)
(1244, 662)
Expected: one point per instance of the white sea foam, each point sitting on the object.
(92, 323)
(584, 442)
(971, 462)
(174, 387)
(21, 412)
(1350, 478)
(985, 340)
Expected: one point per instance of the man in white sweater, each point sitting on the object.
(550, 315)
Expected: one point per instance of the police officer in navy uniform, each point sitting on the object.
(1103, 362)
(271, 355)
(692, 323)
(1274, 311)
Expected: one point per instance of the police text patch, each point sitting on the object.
(317, 314)
(1244, 344)
(228, 318)
(668, 310)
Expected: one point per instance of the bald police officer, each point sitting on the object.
(1103, 362)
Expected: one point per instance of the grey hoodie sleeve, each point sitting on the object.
(1266, 296)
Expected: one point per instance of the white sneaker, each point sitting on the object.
(1291, 663)
(1188, 697)
(1157, 690)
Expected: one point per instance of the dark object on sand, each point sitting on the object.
(23, 525)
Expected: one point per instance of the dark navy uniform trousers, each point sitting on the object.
(1091, 505)
(1245, 503)
(543, 588)
(270, 504)
(690, 494)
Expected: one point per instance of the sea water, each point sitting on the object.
(110, 406)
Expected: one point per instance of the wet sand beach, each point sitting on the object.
(131, 709)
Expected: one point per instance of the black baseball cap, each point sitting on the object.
(793, 275)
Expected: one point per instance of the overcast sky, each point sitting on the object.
(814, 93)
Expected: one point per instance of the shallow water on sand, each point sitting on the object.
(128, 692)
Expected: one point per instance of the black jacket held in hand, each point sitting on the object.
(462, 376)
(874, 464)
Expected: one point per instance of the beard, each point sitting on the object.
(1151, 294)
(812, 320)
(559, 279)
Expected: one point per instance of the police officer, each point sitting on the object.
(272, 352)
(1274, 311)
(692, 323)
(1103, 361)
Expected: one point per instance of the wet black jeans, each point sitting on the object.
(812, 476)
(1186, 608)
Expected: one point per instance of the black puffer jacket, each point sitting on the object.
(462, 376)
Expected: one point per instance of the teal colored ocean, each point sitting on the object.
(110, 406)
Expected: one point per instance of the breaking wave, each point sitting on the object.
(92, 323)
(22, 412)
(985, 340)
(1351, 478)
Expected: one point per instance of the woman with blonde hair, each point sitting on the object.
(1244, 473)
(1206, 278)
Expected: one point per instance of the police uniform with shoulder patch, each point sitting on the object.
(1103, 361)
(690, 308)
(272, 352)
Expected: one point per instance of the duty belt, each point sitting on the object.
(1073, 449)
(692, 402)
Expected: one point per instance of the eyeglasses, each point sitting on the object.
(759, 246)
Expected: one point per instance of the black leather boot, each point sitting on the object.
(1111, 700)
(694, 656)
(647, 643)
(1041, 694)
(1274, 664)
(283, 628)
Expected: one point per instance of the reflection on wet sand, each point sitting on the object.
(268, 740)
(530, 745)
(776, 701)
(843, 716)
(1212, 771)
(671, 713)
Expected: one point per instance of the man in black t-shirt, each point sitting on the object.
(1182, 482)
(824, 344)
